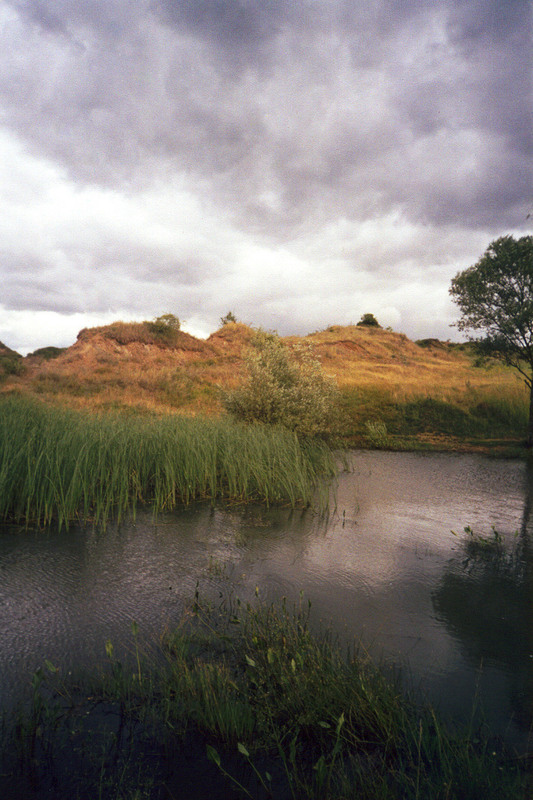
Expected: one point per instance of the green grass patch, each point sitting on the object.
(59, 464)
(11, 365)
(47, 353)
(380, 419)
(264, 707)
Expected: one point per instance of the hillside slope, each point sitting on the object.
(125, 365)
(10, 362)
(380, 373)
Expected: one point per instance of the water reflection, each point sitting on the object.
(485, 599)
(383, 568)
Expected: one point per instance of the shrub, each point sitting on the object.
(11, 365)
(163, 330)
(285, 388)
(47, 353)
(369, 321)
(230, 317)
(165, 326)
(376, 434)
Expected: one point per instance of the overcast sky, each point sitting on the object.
(299, 162)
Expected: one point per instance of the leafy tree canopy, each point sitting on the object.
(495, 297)
(369, 321)
(166, 326)
(168, 321)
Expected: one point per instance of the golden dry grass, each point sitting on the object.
(369, 358)
(121, 366)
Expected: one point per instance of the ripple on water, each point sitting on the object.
(383, 566)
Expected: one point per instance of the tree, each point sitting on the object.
(495, 296)
(166, 326)
(230, 317)
(167, 321)
(285, 386)
(369, 321)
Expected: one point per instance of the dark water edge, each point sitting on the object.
(95, 739)
(383, 569)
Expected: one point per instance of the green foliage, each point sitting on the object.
(230, 317)
(477, 544)
(62, 465)
(47, 353)
(162, 330)
(166, 326)
(376, 434)
(279, 710)
(377, 418)
(11, 365)
(11, 362)
(495, 296)
(285, 387)
(369, 321)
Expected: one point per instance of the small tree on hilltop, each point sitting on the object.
(285, 387)
(168, 321)
(164, 328)
(369, 321)
(230, 317)
(495, 296)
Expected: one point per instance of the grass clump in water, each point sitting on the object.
(274, 710)
(59, 464)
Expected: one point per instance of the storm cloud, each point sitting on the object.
(298, 163)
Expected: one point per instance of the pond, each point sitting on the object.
(382, 569)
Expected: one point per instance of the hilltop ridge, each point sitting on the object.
(394, 391)
(130, 364)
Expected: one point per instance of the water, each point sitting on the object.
(383, 569)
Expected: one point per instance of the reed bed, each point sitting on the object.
(64, 465)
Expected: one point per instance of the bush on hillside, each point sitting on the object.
(47, 353)
(11, 362)
(369, 321)
(165, 326)
(285, 387)
(230, 317)
(163, 330)
(10, 366)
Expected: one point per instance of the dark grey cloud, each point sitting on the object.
(113, 109)
(68, 17)
(274, 129)
(239, 26)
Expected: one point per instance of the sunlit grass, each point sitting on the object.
(383, 376)
(483, 413)
(58, 464)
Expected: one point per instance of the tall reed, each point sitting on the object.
(59, 464)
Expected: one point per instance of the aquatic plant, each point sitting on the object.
(376, 434)
(278, 710)
(58, 464)
(479, 544)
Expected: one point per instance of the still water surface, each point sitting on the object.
(383, 569)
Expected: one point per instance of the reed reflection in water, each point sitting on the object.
(383, 569)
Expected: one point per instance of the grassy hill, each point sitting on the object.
(11, 362)
(395, 392)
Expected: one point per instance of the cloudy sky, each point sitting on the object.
(299, 162)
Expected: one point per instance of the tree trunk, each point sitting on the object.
(529, 442)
